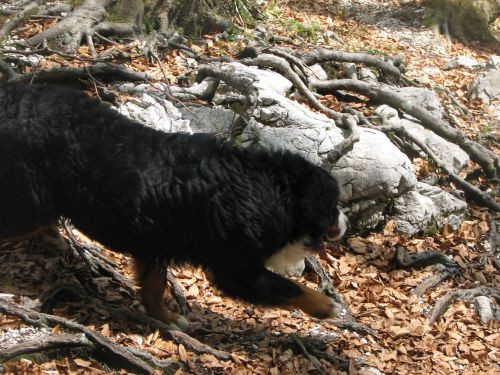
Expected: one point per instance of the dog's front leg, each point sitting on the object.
(263, 287)
(152, 278)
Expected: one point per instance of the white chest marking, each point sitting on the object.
(286, 258)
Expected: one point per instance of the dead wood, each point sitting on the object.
(487, 159)
(472, 192)
(43, 320)
(74, 26)
(177, 336)
(46, 343)
(283, 67)
(324, 55)
(347, 143)
(433, 282)
(303, 349)
(177, 293)
(444, 302)
(403, 259)
(20, 17)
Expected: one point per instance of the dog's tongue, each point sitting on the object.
(320, 248)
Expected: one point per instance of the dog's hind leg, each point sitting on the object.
(152, 278)
(263, 287)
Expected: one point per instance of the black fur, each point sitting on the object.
(157, 196)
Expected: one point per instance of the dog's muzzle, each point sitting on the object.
(337, 231)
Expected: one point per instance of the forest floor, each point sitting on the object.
(260, 340)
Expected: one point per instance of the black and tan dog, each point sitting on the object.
(241, 213)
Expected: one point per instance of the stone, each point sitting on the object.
(462, 62)
(427, 207)
(156, 113)
(485, 87)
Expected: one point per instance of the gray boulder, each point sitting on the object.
(427, 207)
(157, 113)
(422, 98)
(485, 87)
(448, 152)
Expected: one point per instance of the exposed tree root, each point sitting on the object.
(326, 286)
(473, 192)
(406, 260)
(346, 144)
(74, 26)
(6, 69)
(433, 282)
(95, 262)
(325, 283)
(325, 55)
(177, 336)
(313, 347)
(20, 17)
(444, 302)
(38, 319)
(317, 364)
(282, 66)
(46, 343)
(480, 154)
(177, 293)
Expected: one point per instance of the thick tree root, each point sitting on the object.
(325, 55)
(445, 302)
(472, 192)
(20, 17)
(406, 260)
(480, 154)
(46, 343)
(43, 320)
(433, 282)
(282, 66)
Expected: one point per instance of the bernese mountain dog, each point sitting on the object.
(245, 214)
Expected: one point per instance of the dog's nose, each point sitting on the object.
(337, 231)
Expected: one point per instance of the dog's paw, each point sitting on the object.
(180, 323)
(336, 309)
(316, 304)
(172, 320)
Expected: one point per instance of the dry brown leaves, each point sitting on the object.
(378, 296)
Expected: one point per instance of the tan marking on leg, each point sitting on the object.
(315, 304)
(152, 278)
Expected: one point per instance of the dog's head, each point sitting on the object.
(317, 214)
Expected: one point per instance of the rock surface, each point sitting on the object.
(374, 176)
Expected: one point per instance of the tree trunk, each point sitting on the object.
(464, 19)
(131, 18)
